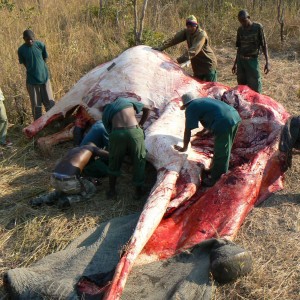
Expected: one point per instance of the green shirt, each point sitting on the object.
(200, 53)
(250, 39)
(116, 106)
(33, 57)
(214, 115)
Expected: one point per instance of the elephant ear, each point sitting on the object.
(229, 261)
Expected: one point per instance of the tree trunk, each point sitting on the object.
(140, 33)
(100, 8)
(135, 21)
(280, 17)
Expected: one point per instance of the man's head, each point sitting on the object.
(191, 23)
(244, 18)
(187, 99)
(28, 37)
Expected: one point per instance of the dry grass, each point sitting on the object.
(271, 231)
(29, 234)
(77, 42)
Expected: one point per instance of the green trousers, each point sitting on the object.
(128, 142)
(248, 73)
(212, 76)
(96, 168)
(3, 123)
(222, 150)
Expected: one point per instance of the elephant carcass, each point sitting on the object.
(192, 214)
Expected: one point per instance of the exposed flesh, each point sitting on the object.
(193, 214)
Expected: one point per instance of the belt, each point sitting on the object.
(63, 177)
(248, 56)
(127, 127)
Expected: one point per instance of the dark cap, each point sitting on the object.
(243, 14)
(28, 34)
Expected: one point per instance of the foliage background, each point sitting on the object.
(80, 36)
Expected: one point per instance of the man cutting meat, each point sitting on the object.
(125, 137)
(221, 120)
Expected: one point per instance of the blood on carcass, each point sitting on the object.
(179, 213)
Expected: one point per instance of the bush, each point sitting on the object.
(149, 37)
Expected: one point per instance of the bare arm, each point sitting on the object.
(237, 44)
(95, 150)
(234, 64)
(264, 47)
(146, 112)
(186, 141)
(101, 152)
(266, 54)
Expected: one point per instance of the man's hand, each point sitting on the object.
(233, 70)
(146, 112)
(180, 149)
(184, 58)
(267, 68)
(157, 48)
(142, 127)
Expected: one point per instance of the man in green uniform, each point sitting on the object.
(33, 55)
(221, 120)
(125, 137)
(250, 38)
(203, 59)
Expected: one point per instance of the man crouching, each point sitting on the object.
(66, 178)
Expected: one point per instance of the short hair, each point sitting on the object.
(243, 14)
(28, 34)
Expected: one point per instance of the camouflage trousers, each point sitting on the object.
(67, 192)
(73, 186)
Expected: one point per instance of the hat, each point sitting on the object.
(191, 20)
(187, 98)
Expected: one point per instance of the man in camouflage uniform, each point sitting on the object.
(203, 59)
(250, 38)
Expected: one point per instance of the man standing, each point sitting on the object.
(3, 123)
(250, 38)
(203, 59)
(125, 137)
(221, 120)
(33, 55)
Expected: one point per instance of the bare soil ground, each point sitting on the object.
(271, 231)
